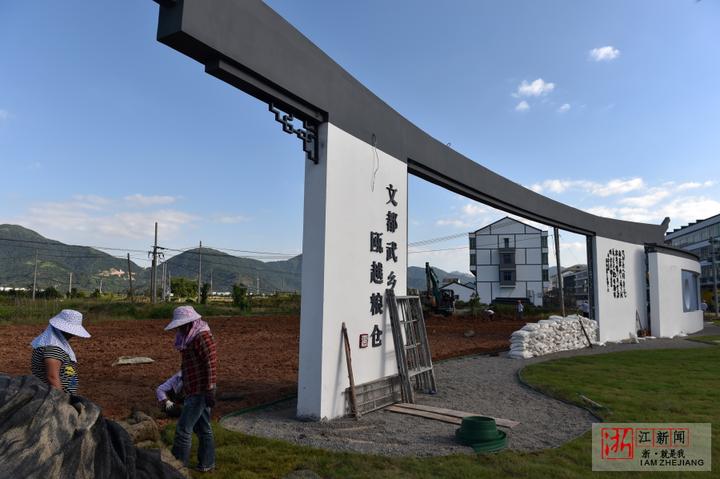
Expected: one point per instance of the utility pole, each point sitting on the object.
(70, 285)
(132, 297)
(35, 276)
(713, 242)
(100, 285)
(164, 283)
(153, 273)
(169, 283)
(199, 271)
(556, 233)
(258, 284)
(211, 278)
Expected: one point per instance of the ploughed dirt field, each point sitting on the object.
(257, 357)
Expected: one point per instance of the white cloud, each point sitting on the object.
(604, 54)
(231, 219)
(565, 107)
(153, 200)
(686, 209)
(522, 106)
(472, 209)
(537, 87)
(681, 210)
(454, 222)
(612, 187)
(693, 185)
(616, 187)
(93, 219)
(653, 197)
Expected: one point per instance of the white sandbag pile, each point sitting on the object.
(552, 335)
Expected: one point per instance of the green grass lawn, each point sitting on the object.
(681, 385)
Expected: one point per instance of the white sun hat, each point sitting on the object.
(182, 315)
(70, 321)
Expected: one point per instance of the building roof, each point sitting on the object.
(663, 248)
(694, 226)
(511, 219)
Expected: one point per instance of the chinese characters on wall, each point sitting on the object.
(384, 258)
(615, 273)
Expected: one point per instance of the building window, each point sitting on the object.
(473, 261)
(545, 275)
(543, 241)
(472, 243)
(507, 277)
(506, 242)
(690, 293)
(544, 258)
(507, 258)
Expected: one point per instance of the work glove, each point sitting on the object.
(166, 405)
(210, 398)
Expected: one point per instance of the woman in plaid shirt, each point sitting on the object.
(199, 372)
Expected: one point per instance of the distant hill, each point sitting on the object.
(56, 260)
(227, 270)
(416, 277)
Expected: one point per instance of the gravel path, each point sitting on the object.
(485, 385)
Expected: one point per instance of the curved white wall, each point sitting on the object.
(667, 317)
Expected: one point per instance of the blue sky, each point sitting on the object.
(610, 106)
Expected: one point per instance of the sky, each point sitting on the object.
(609, 106)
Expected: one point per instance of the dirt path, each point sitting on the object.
(257, 357)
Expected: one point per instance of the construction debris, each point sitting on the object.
(124, 360)
(442, 414)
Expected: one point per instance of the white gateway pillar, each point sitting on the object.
(354, 247)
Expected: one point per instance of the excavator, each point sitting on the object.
(440, 300)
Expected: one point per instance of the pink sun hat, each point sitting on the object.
(70, 321)
(182, 315)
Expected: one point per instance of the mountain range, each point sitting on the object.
(92, 268)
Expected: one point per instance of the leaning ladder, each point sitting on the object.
(412, 349)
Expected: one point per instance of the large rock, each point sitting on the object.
(141, 427)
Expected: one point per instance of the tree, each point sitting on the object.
(204, 293)
(183, 287)
(51, 293)
(239, 294)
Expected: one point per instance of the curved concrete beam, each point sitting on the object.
(250, 46)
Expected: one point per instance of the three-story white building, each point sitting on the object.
(510, 261)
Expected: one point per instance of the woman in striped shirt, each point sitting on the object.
(53, 359)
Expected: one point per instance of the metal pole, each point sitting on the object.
(556, 233)
(199, 271)
(70, 285)
(132, 298)
(35, 276)
(153, 275)
(164, 282)
(713, 242)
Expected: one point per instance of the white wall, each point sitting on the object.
(616, 316)
(340, 211)
(667, 317)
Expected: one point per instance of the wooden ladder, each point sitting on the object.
(412, 349)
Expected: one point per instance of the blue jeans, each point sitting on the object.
(195, 417)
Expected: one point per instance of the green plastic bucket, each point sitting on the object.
(481, 433)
